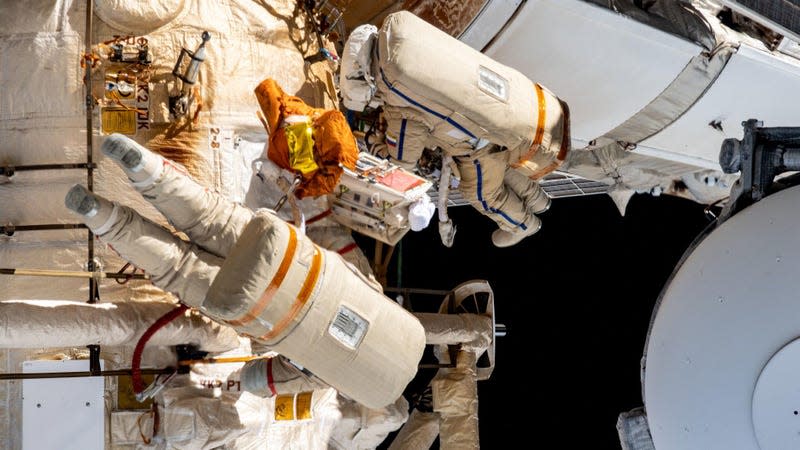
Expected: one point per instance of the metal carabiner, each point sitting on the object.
(290, 191)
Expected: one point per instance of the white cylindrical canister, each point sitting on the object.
(281, 289)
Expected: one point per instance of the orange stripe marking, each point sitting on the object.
(302, 296)
(537, 139)
(273, 286)
(566, 143)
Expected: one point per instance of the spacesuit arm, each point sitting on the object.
(406, 137)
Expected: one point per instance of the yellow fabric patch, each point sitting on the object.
(284, 407)
(293, 406)
(304, 405)
(300, 137)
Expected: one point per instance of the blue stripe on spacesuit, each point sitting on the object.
(485, 205)
(401, 139)
(426, 109)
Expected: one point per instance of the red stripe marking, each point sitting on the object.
(270, 381)
(347, 248)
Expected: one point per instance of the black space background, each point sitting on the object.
(576, 299)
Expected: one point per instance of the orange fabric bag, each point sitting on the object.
(334, 143)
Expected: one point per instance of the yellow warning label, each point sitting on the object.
(284, 407)
(304, 405)
(118, 120)
(293, 406)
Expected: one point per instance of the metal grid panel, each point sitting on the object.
(556, 184)
(562, 184)
(779, 15)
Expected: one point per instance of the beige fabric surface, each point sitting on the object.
(274, 285)
(52, 323)
(483, 102)
(194, 418)
(484, 184)
(472, 331)
(455, 406)
(362, 428)
(310, 294)
(414, 58)
(173, 264)
(419, 432)
(284, 377)
(455, 398)
(42, 121)
(355, 77)
(136, 17)
(209, 220)
(414, 128)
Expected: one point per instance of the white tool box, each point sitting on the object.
(374, 198)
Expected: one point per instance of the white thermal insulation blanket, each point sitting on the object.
(55, 323)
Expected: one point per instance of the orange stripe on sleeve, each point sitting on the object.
(302, 296)
(537, 139)
(273, 286)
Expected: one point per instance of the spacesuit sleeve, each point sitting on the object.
(406, 137)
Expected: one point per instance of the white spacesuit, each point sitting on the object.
(258, 274)
(503, 131)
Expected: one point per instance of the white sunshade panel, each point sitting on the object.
(754, 85)
(604, 65)
(490, 20)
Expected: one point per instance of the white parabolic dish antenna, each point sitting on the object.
(722, 361)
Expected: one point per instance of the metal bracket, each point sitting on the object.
(155, 387)
(94, 360)
(11, 228)
(761, 155)
(9, 171)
